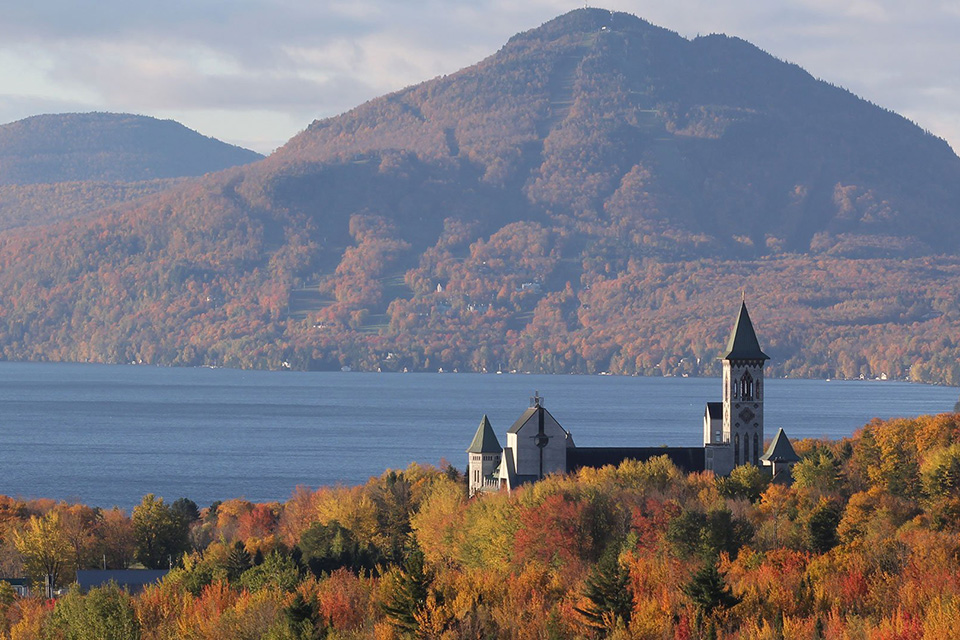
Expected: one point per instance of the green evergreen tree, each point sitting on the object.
(822, 527)
(238, 561)
(187, 510)
(609, 593)
(709, 591)
(408, 593)
(302, 617)
(332, 546)
(278, 571)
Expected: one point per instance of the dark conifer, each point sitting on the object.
(709, 591)
(609, 594)
(409, 592)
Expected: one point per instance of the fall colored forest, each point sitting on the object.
(591, 198)
(865, 544)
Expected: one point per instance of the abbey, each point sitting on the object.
(733, 434)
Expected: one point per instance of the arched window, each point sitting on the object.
(756, 449)
(746, 386)
(736, 449)
(756, 390)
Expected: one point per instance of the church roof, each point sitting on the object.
(485, 440)
(780, 449)
(743, 343)
(528, 415)
(522, 420)
(689, 459)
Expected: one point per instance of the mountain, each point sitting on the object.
(109, 147)
(605, 118)
(592, 197)
(57, 167)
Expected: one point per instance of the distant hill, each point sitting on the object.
(593, 197)
(108, 147)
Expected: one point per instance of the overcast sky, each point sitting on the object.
(255, 72)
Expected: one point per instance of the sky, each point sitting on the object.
(256, 72)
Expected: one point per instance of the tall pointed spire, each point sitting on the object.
(743, 343)
(485, 440)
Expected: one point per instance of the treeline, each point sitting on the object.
(863, 544)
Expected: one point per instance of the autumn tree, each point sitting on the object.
(47, 551)
(161, 534)
(746, 481)
(104, 613)
(117, 539)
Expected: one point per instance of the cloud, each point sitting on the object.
(286, 59)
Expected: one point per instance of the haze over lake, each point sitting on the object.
(105, 435)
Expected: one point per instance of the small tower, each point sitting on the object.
(781, 457)
(484, 456)
(742, 426)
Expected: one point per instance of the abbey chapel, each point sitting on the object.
(733, 435)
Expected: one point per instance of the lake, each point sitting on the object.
(106, 435)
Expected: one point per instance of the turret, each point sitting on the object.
(780, 457)
(483, 458)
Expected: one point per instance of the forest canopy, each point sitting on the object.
(864, 543)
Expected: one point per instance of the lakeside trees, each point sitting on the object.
(864, 544)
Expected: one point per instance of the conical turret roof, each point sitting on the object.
(743, 343)
(780, 449)
(485, 440)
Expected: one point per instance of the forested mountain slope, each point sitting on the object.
(592, 197)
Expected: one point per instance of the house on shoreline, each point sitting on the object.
(537, 445)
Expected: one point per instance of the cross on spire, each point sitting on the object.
(536, 400)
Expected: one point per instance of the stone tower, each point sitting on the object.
(739, 439)
(743, 391)
(484, 459)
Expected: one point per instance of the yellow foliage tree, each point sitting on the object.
(47, 550)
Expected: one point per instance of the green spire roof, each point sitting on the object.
(743, 343)
(485, 441)
(780, 449)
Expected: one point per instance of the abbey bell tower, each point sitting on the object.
(739, 439)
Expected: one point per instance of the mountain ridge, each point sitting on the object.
(57, 167)
(108, 147)
(592, 197)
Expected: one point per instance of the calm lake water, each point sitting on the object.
(107, 435)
